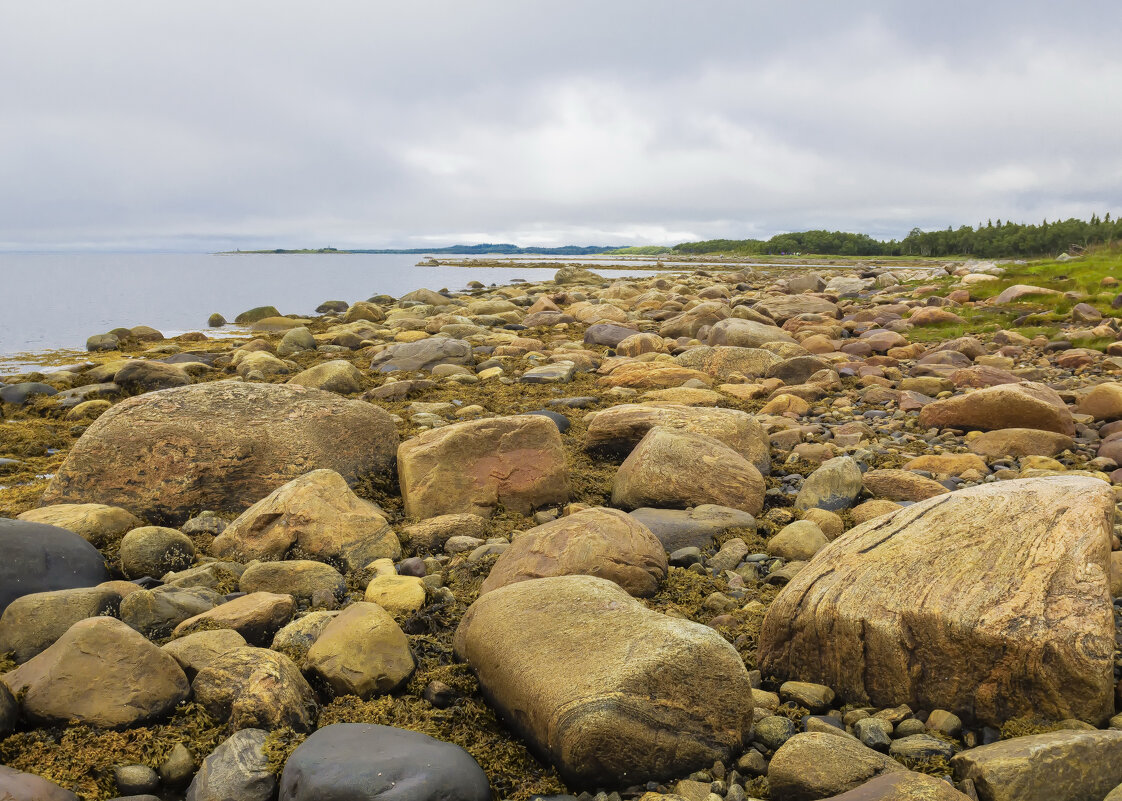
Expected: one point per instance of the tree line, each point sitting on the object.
(989, 240)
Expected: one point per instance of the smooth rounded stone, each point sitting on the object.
(773, 730)
(460, 544)
(781, 308)
(675, 468)
(256, 314)
(422, 355)
(1058, 766)
(88, 410)
(474, 466)
(255, 688)
(1102, 402)
(596, 542)
(800, 540)
(870, 510)
(691, 321)
(828, 523)
(365, 762)
(697, 527)
(745, 333)
(816, 765)
(135, 779)
(316, 515)
(361, 652)
(222, 577)
(786, 404)
(33, 622)
(156, 612)
(396, 594)
(237, 770)
(196, 651)
(653, 375)
(901, 485)
(948, 464)
(332, 307)
(620, 428)
(222, 446)
(834, 485)
(798, 369)
(905, 786)
(608, 334)
(177, 767)
(256, 617)
(921, 746)
(154, 551)
(338, 375)
(294, 639)
(102, 342)
(261, 366)
(1027, 405)
(216, 320)
(908, 727)
(556, 373)
(94, 522)
(910, 607)
(662, 697)
(136, 681)
(300, 578)
(18, 786)
(1018, 442)
(296, 340)
(41, 558)
(815, 697)
(722, 361)
(19, 394)
(433, 533)
(732, 553)
(204, 523)
(140, 375)
(636, 344)
(944, 722)
(876, 733)
(560, 420)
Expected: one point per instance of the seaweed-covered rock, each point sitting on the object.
(39, 558)
(364, 762)
(136, 681)
(221, 445)
(658, 696)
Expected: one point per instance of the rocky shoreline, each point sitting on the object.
(722, 534)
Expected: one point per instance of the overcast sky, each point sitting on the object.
(215, 124)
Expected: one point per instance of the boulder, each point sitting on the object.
(662, 697)
(697, 527)
(620, 428)
(316, 515)
(296, 340)
(140, 375)
(300, 578)
(221, 446)
(1057, 766)
(396, 594)
(926, 606)
(834, 485)
(816, 765)
(39, 558)
(575, 274)
(782, 308)
(595, 542)
(689, 322)
(1103, 402)
(721, 361)
(1017, 291)
(154, 551)
(199, 650)
(237, 770)
(903, 786)
(136, 681)
(256, 617)
(424, 354)
(365, 762)
(1027, 405)
(652, 375)
(431, 534)
(901, 485)
(1020, 442)
(678, 469)
(94, 522)
(337, 375)
(33, 622)
(18, 786)
(475, 466)
(745, 333)
(255, 688)
(156, 612)
(256, 314)
(362, 652)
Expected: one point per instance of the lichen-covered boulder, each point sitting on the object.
(222, 446)
(991, 602)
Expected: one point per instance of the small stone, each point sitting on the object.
(135, 779)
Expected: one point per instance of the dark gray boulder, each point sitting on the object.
(697, 527)
(39, 558)
(237, 770)
(363, 762)
(18, 394)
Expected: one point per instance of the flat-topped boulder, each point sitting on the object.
(991, 602)
(1027, 405)
(424, 354)
(223, 446)
(656, 697)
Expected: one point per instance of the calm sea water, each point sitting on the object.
(58, 300)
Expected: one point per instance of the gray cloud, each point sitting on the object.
(211, 125)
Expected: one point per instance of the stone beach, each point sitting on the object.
(721, 534)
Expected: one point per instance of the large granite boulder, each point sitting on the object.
(722, 361)
(362, 652)
(991, 602)
(782, 308)
(816, 765)
(678, 469)
(96, 523)
(237, 770)
(618, 429)
(255, 688)
(365, 762)
(1027, 405)
(256, 616)
(746, 333)
(32, 622)
(39, 558)
(475, 466)
(221, 445)
(424, 354)
(595, 542)
(903, 786)
(659, 697)
(100, 672)
(316, 515)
